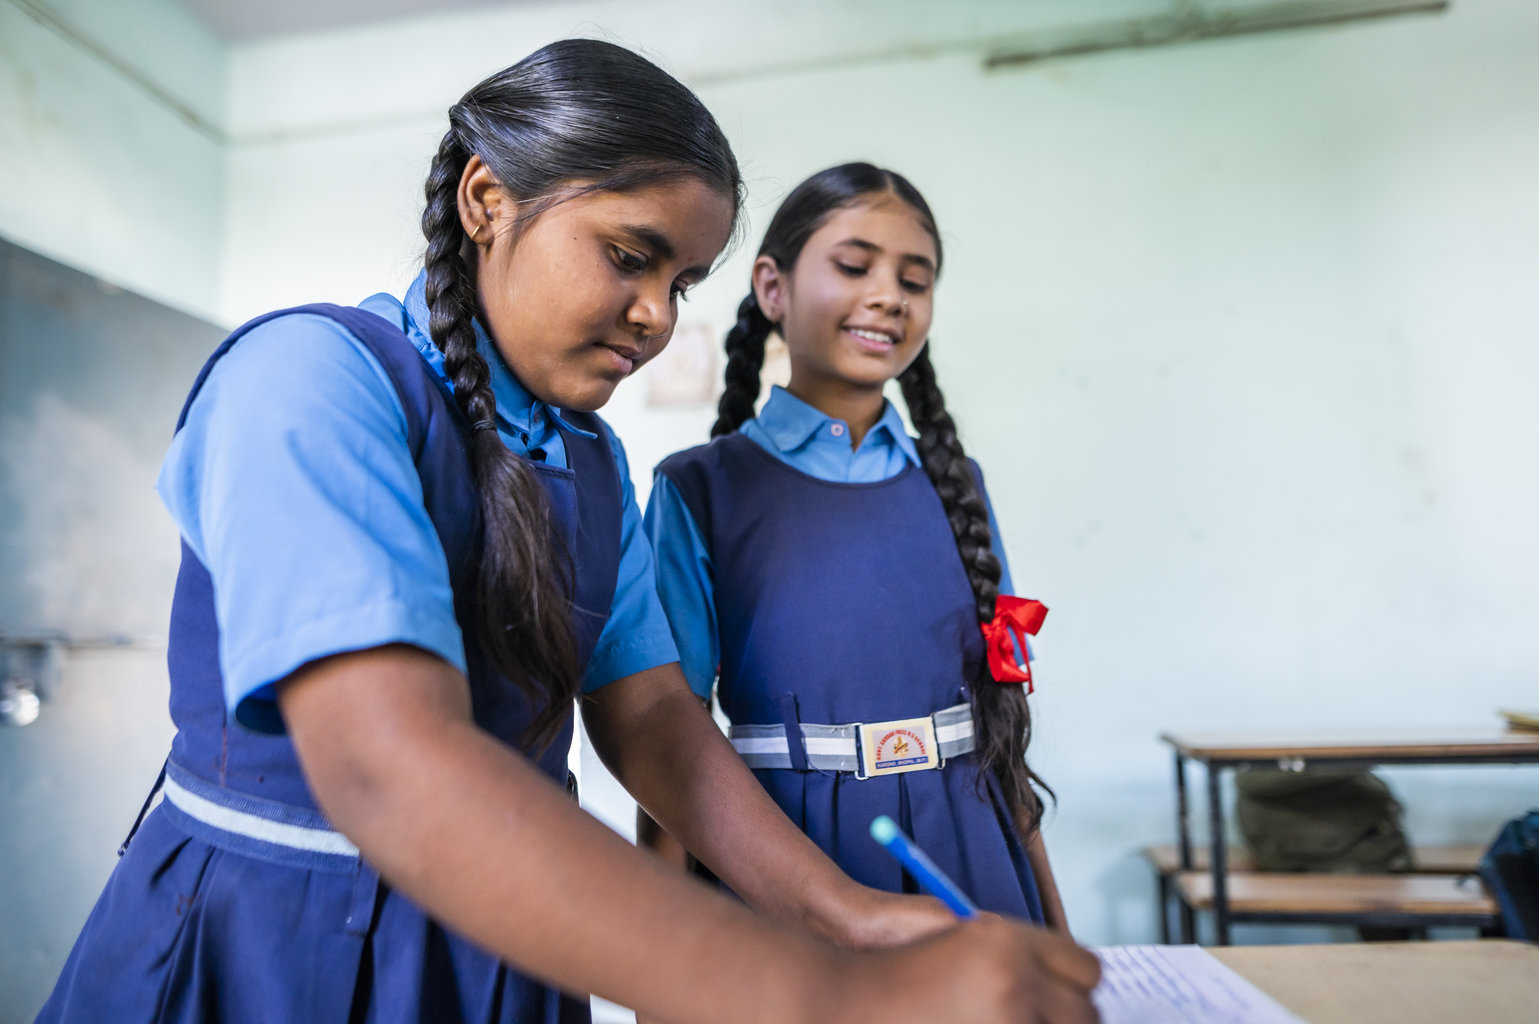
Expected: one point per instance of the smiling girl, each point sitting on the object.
(408, 544)
(838, 577)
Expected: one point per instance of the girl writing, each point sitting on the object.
(408, 544)
(838, 571)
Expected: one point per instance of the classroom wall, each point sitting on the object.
(1242, 331)
(111, 153)
(91, 379)
(111, 164)
(73, 782)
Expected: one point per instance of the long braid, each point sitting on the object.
(1001, 717)
(522, 594)
(745, 364)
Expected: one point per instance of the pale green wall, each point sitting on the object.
(1242, 332)
(110, 156)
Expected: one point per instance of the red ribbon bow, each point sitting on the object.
(1013, 616)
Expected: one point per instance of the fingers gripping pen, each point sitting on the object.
(930, 878)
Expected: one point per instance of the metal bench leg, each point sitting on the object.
(1219, 858)
(1164, 906)
(1188, 922)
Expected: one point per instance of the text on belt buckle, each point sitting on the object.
(905, 745)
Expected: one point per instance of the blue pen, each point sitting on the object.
(886, 831)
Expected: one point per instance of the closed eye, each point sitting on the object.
(850, 270)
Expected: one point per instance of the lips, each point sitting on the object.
(874, 339)
(622, 357)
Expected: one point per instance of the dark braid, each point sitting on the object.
(576, 117)
(522, 594)
(1001, 716)
(745, 362)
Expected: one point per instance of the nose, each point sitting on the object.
(650, 315)
(887, 297)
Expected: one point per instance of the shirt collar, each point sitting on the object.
(516, 407)
(791, 423)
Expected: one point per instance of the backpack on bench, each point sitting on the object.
(1332, 821)
(1510, 869)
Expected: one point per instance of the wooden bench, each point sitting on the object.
(1376, 900)
(1442, 890)
(1222, 753)
(1426, 860)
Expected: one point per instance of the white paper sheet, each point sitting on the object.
(1179, 985)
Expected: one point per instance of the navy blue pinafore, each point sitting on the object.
(843, 603)
(235, 901)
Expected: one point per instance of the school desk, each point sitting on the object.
(1218, 752)
(1486, 981)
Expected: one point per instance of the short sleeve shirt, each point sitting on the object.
(292, 483)
(800, 436)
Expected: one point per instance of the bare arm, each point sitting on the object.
(468, 829)
(1047, 885)
(652, 836)
(652, 732)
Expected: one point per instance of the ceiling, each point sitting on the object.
(240, 21)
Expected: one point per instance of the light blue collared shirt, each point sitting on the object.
(292, 482)
(806, 439)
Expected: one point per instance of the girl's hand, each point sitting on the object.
(872, 919)
(990, 970)
(985, 971)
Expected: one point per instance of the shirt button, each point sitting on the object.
(837, 430)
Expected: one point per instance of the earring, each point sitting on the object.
(473, 235)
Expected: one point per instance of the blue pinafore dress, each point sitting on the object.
(842, 603)
(235, 901)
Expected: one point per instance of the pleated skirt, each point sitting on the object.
(965, 828)
(190, 933)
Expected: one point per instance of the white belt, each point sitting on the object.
(298, 837)
(863, 748)
(255, 826)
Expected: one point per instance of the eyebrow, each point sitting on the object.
(872, 247)
(658, 243)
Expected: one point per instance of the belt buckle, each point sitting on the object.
(902, 745)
